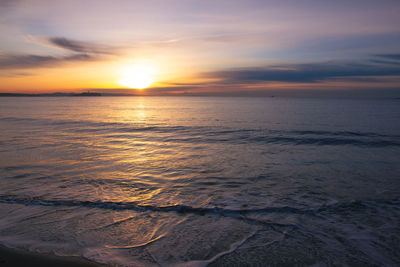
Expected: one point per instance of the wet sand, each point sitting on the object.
(19, 258)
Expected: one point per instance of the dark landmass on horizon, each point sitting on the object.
(52, 94)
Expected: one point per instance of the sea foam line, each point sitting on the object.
(188, 209)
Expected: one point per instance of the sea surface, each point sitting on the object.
(195, 181)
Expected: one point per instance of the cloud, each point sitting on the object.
(74, 46)
(79, 46)
(380, 61)
(390, 56)
(78, 51)
(13, 74)
(36, 61)
(306, 73)
(387, 59)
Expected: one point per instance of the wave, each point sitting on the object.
(11, 119)
(339, 225)
(327, 141)
(206, 134)
(37, 201)
(133, 127)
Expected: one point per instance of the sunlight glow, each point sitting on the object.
(138, 77)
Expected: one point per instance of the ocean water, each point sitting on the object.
(195, 181)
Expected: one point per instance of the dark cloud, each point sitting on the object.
(35, 61)
(307, 73)
(79, 46)
(384, 61)
(390, 56)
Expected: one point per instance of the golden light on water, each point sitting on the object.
(137, 77)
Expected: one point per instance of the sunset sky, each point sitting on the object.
(200, 47)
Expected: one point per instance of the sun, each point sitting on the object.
(137, 77)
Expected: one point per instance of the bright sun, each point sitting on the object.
(138, 77)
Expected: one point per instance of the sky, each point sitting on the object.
(201, 47)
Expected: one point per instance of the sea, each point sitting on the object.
(202, 181)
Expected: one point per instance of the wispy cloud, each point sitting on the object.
(80, 46)
(79, 51)
(14, 74)
(36, 61)
(387, 59)
(72, 45)
(390, 56)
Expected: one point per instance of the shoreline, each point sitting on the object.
(10, 257)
